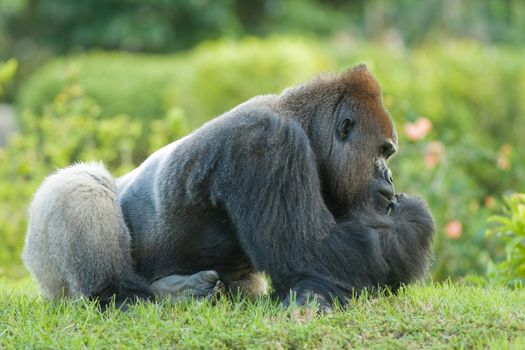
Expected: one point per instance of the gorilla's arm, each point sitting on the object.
(372, 250)
(267, 181)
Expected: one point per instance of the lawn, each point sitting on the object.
(431, 316)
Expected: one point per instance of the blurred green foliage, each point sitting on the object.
(457, 107)
(69, 129)
(216, 77)
(7, 73)
(205, 82)
(164, 26)
(34, 31)
(120, 82)
(510, 230)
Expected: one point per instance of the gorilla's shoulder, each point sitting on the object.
(259, 123)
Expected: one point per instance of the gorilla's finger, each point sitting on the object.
(217, 291)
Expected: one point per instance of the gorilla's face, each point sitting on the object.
(351, 134)
(354, 165)
(355, 170)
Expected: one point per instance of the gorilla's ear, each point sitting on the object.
(359, 79)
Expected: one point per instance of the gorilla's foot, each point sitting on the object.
(177, 287)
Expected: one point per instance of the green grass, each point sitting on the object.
(430, 316)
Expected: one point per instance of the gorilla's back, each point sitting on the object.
(166, 203)
(174, 197)
(136, 192)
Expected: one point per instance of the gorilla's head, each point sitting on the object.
(350, 131)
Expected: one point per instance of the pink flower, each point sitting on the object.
(434, 153)
(506, 149)
(419, 129)
(503, 162)
(504, 153)
(454, 229)
(490, 201)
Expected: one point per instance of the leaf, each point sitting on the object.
(500, 219)
(512, 232)
(8, 70)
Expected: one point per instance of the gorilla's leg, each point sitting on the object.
(77, 243)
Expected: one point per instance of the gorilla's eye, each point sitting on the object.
(345, 127)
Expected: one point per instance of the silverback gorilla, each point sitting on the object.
(295, 185)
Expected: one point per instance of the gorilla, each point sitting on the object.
(294, 185)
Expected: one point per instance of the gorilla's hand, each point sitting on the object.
(413, 210)
(407, 248)
(383, 193)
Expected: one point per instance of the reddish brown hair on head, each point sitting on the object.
(360, 79)
(360, 82)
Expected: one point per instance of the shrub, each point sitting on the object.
(69, 129)
(204, 82)
(510, 230)
(218, 76)
(7, 72)
(119, 82)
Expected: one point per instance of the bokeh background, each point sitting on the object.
(114, 80)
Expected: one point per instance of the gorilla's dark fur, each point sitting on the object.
(295, 185)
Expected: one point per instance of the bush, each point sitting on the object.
(510, 230)
(204, 82)
(120, 83)
(217, 76)
(70, 129)
(7, 72)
